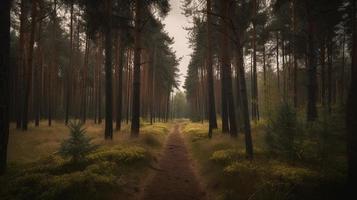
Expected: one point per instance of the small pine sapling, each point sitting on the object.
(78, 145)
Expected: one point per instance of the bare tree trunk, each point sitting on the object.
(211, 100)
(108, 74)
(135, 121)
(277, 60)
(68, 72)
(4, 81)
(120, 84)
(29, 64)
(312, 81)
(227, 71)
(244, 102)
(351, 117)
(323, 74)
(329, 76)
(53, 64)
(84, 81)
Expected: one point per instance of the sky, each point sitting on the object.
(175, 22)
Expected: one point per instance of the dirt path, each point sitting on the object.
(175, 179)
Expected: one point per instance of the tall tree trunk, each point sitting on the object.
(69, 67)
(99, 93)
(135, 121)
(53, 64)
(351, 117)
(312, 81)
(84, 81)
(295, 78)
(277, 60)
(265, 79)
(152, 102)
(108, 74)
(342, 86)
(29, 64)
(244, 102)
(37, 73)
(329, 76)
(21, 64)
(226, 67)
(211, 100)
(120, 84)
(255, 105)
(323, 74)
(4, 81)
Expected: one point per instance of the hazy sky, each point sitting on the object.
(174, 23)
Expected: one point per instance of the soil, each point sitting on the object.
(175, 178)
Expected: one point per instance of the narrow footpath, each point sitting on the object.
(175, 178)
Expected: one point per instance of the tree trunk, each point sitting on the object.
(84, 81)
(323, 74)
(120, 84)
(277, 60)
(329, 76)
(135, 121)
(4, 81)
(53, 64)
(351, 117)
(37, 73)
(244, 102)
(227, 72)
(211, 100)
(295, 78)
(108, 74)
(29, 64)
(68, 72)
(255, 114)
(312, 81)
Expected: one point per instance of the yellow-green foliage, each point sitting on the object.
(38, 172)
(196, 131)
(89, 183)
(156, 129)
(225, 156)
(237, 167)
(121, 155)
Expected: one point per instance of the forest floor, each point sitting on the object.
(175, 178)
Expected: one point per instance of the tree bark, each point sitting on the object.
(108, 74)
(227, 72)
(120, 84)
(351, 117)
(29, 64)
(135, 121)
(4, 81)
(312, 81)
(211, 100)
(68, 72)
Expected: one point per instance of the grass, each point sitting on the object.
(116, 169)
(227, 174)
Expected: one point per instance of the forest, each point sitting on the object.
(97, 100)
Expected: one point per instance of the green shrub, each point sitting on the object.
(124, 155)
(225, 156)
(240, 168)
(78, 145)
(283, 134)
(91, 183)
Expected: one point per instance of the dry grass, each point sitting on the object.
(41, 141)
(228, 175)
